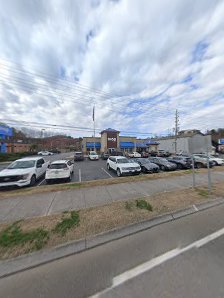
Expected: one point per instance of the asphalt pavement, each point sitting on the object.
(183, 258)
(83, 170)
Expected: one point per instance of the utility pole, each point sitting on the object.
(176, 129)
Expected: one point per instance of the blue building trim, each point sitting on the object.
(90, 145)
(124, 145)
(5, 132)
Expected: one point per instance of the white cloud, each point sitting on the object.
(140, 50)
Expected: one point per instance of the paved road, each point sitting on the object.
(20, 207)
(176, 264)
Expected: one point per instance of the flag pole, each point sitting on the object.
(94, 132)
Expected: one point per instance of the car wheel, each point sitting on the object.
(118, 172)
(108, 167)
(144, 170)
(199, 165)
(32, 180)
(69, 178)
(215, 163)
(163, 168)
(179, 166)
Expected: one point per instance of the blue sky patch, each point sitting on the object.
(199, 51)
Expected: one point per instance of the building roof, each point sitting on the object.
(109, 130)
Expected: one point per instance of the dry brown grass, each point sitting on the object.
(100, 182)
(100, 219)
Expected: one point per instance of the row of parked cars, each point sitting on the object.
(26, 171)
(122, 165)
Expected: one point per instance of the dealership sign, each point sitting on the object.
(6, 131)
(221, 141)
(112, 139)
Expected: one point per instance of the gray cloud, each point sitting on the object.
(140, 50)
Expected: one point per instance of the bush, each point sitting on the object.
(143, 204)
(15, 155)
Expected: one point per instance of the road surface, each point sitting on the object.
(176, 263)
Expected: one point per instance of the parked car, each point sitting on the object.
(163, 164)
(93, 155)
(105, 155)
(144, 154)
(59, 170)
(134, 154)
(45, 153)
(55, 151)
(116, 153)
(24, 171)
(216, 160)
(121, 165)
(201, 162)
(163, 153)
(181, 162)
(78, 156)
(147, 166)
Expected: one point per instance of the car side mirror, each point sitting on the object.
(39, 166)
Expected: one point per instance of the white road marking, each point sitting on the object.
(80, 176)
(195, 208)
(147, 266)
(40, 182)
(107, 173)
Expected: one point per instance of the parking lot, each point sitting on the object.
(83, 170)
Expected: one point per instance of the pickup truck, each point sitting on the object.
(23, 172)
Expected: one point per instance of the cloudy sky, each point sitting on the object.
(138, 61)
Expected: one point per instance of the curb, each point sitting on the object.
(32, 260)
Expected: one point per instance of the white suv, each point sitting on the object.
(122, 165)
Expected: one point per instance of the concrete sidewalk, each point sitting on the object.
(12, 209)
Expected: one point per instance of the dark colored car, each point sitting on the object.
(163, 164)
(181, 162)
(78, 156)
(56, 151)
(117, 153)
(163, 153)
(105, 155)
(144, 154)
(147, 166)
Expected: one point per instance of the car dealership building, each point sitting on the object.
(187, 141)
(111, 140)
(5, 133)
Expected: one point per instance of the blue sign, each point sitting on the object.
(221, 141)
(6, 131)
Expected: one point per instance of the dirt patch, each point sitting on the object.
(100, 219)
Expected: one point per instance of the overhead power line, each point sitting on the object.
(50, 125)
(54, 78)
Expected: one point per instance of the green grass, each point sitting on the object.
(14, 236)
(143, 204)
(67, 223)
(202, 192)
(129, 205)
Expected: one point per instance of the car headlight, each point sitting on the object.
(25, 176)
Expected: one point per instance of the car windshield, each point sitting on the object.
(123, 160)
(58, 166)
(22, 164)
(163, 160)
(144, 161)
(78, 154)
(93, 153)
